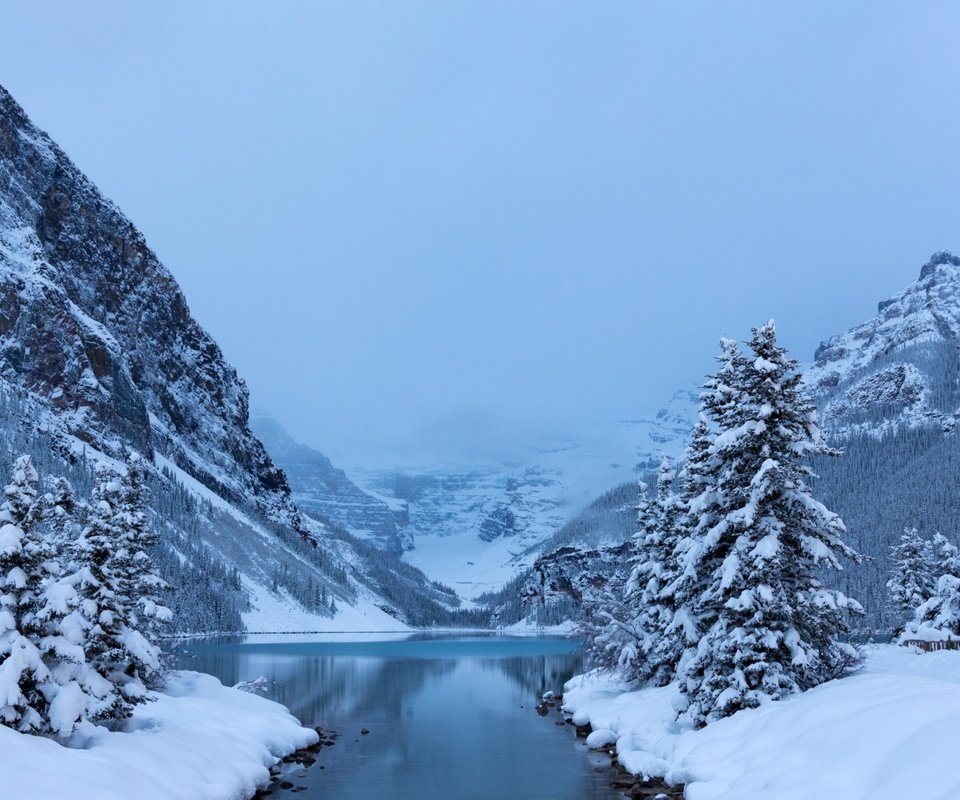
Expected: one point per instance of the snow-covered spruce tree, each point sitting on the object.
(26, 563)
(913, 580)
(112, 569)
(939, 616)
(770, 628)
(101, 608)
(76, 687)
(648, 660)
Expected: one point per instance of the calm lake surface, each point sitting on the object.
(449, 718)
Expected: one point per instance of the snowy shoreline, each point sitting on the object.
(200, 740)
(883, 733)
(517, 631)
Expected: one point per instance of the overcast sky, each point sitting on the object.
(407, 222)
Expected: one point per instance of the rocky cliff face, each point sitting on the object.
(899, 368)
(93, 323)
(324, 491)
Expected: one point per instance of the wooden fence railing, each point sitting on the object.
(932, 647)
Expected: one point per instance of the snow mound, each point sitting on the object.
(199, 741)
(881, 734)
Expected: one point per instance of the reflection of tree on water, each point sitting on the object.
(539, 674)
(318, 689)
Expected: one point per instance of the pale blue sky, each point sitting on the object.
(496, 217)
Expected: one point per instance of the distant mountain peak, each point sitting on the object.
(925, 312)
(940, 258)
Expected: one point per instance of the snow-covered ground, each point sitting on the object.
(199, 741)
(272, 612)
(526, 627)
(467, 564)
(885, 733)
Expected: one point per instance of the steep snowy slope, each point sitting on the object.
(98, 352)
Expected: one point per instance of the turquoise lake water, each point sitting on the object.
(449, 718)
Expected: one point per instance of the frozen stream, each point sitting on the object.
(447, 717)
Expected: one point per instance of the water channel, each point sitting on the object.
(449, 718)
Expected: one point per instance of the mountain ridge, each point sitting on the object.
(99, 353)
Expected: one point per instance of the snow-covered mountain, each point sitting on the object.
(98, 352)
(899, 367)
(91, 321)
(889, 394)
(474, 526)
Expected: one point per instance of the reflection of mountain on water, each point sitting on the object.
(536, 675)
(320, 681)
(320, 688)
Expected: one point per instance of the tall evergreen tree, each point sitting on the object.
(26, 563)
(701, 507)
(912, 581)
(757, 541)
(104, 608)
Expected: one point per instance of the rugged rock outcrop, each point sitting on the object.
(92, 322)
(899, 368)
